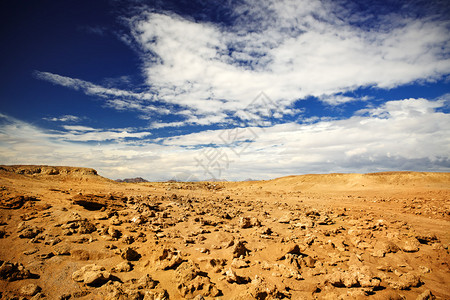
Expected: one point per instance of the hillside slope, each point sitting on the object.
(355, 182)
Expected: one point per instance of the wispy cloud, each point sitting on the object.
(90, 88)
(408, 134)
(65, 118)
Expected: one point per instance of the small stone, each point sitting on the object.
(232, 277)
(158, 294)
(146, 282)
(114, 233)
(426, 295)
(30, 289)
(130, 254)
(285, 219)
(124, 266)
(289, 249)
(244, 222)
(240, 250)
(95, 278)
(238, 263)
(86, 227)
(91, 275)
(31, 251)
(309, 261)
(127, 239)
(13, 271)
(62, 249)
(410, 245)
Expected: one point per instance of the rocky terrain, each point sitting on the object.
(68, 233)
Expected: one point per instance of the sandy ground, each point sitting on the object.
(67, 233)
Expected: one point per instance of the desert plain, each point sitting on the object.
(68, 233)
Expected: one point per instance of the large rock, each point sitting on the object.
(86, 227)
(354, 277)
(92, 275)
(192, 281)
(16, 201)
(13, 271)
(158, 294)
(240, 250)
(124, 266)
(405, 282)
(410, 245)
(382, 248)
(28, 232)
(130, 254)
(168, 258)
(30, 289)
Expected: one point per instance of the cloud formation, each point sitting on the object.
(289, 50)
(205, 73)
(245, 78)
(409, 134)
(65, 118)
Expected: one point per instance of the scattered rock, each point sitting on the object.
(146, 282)
(232, 277)
(410, 245)
(288, 249)
(114, 233)
(191, 280)
(168, 258)
(381, 248)
(124, 266)
(285, 219)
(62, 249)
(14, 271)
(240, 250)
(92, 275)
(426, 295)
(16, 202)
(244, 222)
(354, 277)
(427, 239)
(30, 289)
(127, 239)
(130, 254)
(238, 263)
(85, 227)
(29, 232)
(405, 282)
(158, 294)
(260, 289)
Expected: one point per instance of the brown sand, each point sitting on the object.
(334, 236)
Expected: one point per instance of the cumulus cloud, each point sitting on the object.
(289, 49)
(408, 134)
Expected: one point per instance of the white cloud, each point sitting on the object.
(78, 128)
(98, 136)
(65, 118)
(409, 134)
(90, 88)
(288, 49)
(296, 49)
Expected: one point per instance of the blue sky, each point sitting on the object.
(234, 90)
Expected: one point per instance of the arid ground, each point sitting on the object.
(68, 233)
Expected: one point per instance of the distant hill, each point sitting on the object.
(132, 180)
(54, 172)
